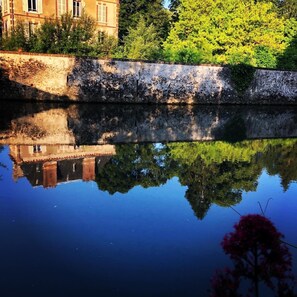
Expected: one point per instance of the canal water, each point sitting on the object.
(109, 200)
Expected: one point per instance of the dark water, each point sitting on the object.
(88, 210)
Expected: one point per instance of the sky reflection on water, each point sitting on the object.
(77, 240)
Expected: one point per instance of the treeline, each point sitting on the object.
(259, 33)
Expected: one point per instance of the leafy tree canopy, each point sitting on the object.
(142, 42)
(152, 11)
(288, 8)
(227, 29)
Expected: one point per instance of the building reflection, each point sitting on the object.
(51, 165)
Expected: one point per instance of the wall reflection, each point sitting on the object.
(109, 124)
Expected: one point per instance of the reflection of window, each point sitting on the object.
(74, 167)
(32, 5)
(61, 7)
(102, 13)
(36, 148)
(76, 8)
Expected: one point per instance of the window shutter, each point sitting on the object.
(99, 12)
(4, 6)
(39, 7)
(25, 5)
(70, 6)
(111, 15)
(61, 7)
(102, 12)
(105, 14)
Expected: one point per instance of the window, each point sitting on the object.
(102, 13)
(61, 7)
(101, 36)
(32, 28)
(6, 28)
(76, 8)
(32, 5)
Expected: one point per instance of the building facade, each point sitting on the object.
(34, 12)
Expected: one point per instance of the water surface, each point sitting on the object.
(100, 213)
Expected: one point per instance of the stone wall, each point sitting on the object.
(66, 78)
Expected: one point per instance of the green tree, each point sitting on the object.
(105, 45)
(288, 59)
(66, 35)
(18, 38)
(174, 8)
(152, 11)
(222, 29)
(288, 8)
(142, 42)
(46, 37)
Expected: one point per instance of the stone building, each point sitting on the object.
(34, 12)
(51, 165)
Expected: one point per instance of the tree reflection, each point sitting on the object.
(220, 183)
(282, 160)
(259, 256)
(134, 164)
(213, 172)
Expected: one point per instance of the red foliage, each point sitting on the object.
(258, 254)
(257, 249)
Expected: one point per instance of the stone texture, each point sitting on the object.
(64, 78)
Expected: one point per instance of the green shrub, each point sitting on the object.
(142, 42)
(242, 76)
(265, 57)
(183, 55)
(18, 38)
(105, 45)
(288, 60)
